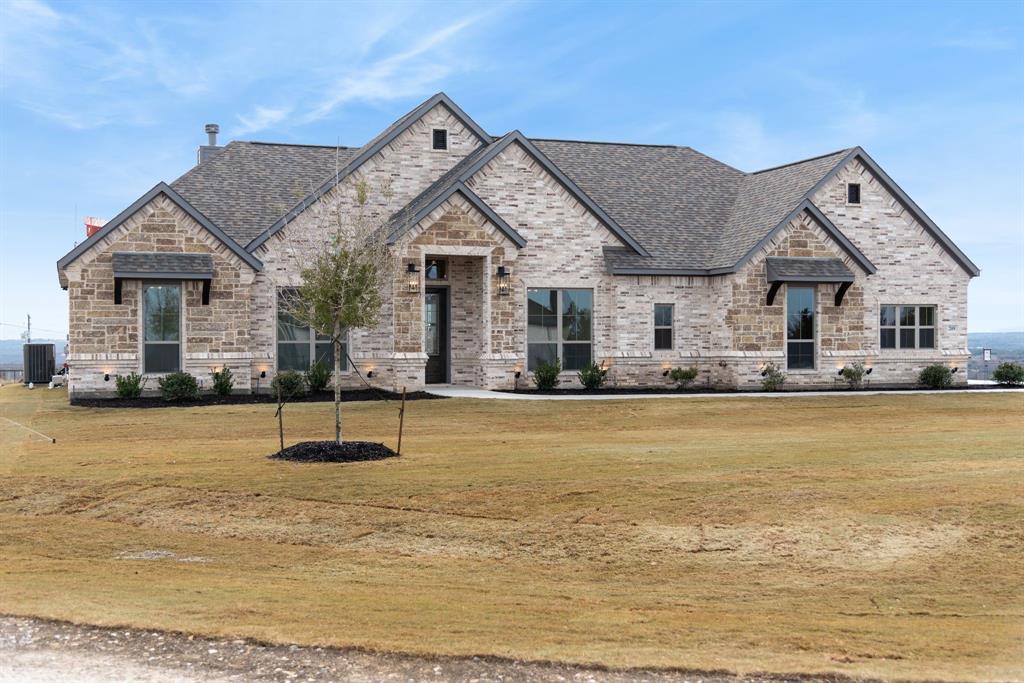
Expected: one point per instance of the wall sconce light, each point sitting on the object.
(504, 281)
(263, 374)
(414, 277)
(518, 374)
(106, 377)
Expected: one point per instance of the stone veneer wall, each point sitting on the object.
(406, 166)
(105, 337)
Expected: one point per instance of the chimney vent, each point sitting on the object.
(210, 148)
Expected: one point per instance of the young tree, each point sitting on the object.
(346, 269)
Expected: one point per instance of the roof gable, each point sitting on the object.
(404, 220)
(367, 152)
(167, 191)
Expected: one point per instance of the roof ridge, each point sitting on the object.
(291, 144)
(611, 142)
(803, 161)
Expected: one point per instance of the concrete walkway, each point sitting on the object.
(471, 392)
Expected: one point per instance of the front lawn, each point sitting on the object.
(875, 535)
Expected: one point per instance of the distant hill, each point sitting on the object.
(11, 354)
(1003, 344)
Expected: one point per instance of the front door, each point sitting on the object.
(435, 334)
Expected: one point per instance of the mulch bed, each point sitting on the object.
(247, 399)
(664, 391)
(331, 451)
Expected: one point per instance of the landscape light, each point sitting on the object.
(868, 371)
(665, 374)
(369, 374)
(955, 369)
(106, 377)
(841, 371)
(263, 374)
(518, 374)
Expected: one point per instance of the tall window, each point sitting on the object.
(906, 327)
(161, 313)
(299, 346)
(799, 327)
(853, 193)
(559, 325)
(440, 138)
(663, 314)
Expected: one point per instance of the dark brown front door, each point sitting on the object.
(435, 334)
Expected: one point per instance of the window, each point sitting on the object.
(906, 327)
(161, 313)
(663, 326)
(559, 325)
(799, 328)
(440, 138)
(298, 347)
(853, 193)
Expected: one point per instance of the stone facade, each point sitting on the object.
(722, 324)
(105, 337)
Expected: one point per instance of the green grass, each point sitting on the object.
(871, 535)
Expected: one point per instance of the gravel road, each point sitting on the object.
(57, 652)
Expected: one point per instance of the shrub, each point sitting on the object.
(772, 378)
(1009, 373)
(592, 376)
(683, 377)
(546, 375)
(318, 376)
(290, 382)
(179, 386)
(129, 386)
(936, 377)
(854, 375)
(223, 381)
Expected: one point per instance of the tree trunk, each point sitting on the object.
(337, 383)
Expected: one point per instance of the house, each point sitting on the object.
(516, 250)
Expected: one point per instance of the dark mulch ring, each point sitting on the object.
(246, 399)
(331, 451)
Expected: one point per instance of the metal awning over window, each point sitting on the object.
(138, 265)
(783, 269)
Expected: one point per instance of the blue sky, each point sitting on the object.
(99, 101)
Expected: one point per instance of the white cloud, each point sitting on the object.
(261, 118)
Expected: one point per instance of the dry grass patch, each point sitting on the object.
(871, 535)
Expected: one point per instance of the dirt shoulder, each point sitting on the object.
(34, 649)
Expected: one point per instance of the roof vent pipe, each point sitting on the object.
(210, 148)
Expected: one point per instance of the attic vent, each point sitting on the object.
(853, 193)
(440, 138)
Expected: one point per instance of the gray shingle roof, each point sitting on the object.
(160, 264)
(248, 185)
(810, 269)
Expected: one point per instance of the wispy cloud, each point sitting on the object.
(261, 118)
(983, 40)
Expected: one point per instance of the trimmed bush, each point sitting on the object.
(179, 386)
(1009, 373)
(936, 377)
(854, 375)
(318, 376)
(129, 386)
(683, 377)
(290, 382)
(772, 378)
(546, 375)
(592, 376)
(223, 382)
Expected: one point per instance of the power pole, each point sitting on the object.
(29, 334)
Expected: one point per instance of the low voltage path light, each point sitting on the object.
(504, 278)
(414, 277)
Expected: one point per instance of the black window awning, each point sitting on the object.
(784, 269)
(138, 265)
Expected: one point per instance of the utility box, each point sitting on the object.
(39, 364)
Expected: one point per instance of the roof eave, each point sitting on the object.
(474, 200)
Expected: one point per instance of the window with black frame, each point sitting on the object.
(800, 328)
(161, 313)
(299, 346)
(663, 314)
(559, 326)
(906, 327)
